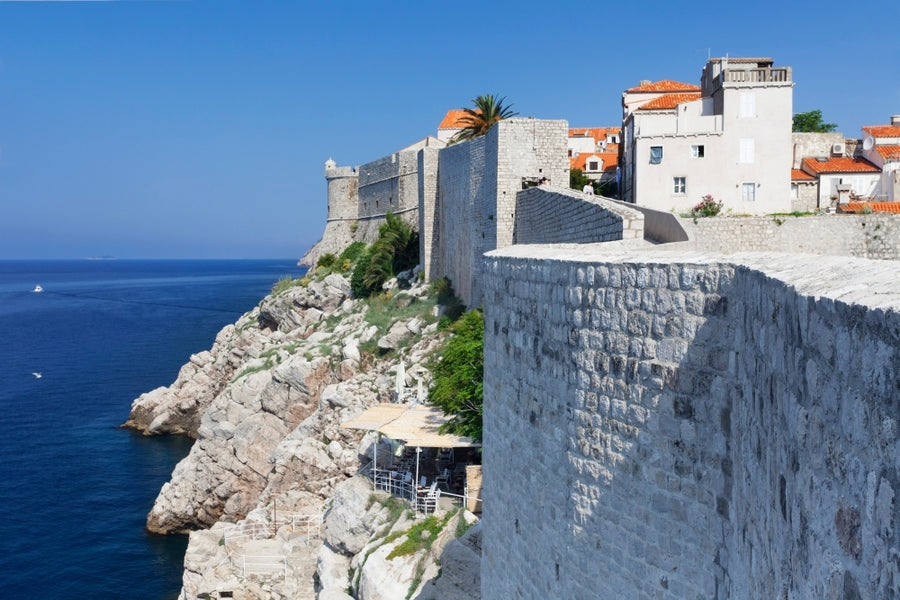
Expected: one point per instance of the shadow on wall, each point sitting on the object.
(726, 435)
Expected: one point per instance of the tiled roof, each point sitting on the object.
(857, 207)
(888, 150)
(610, 160)
(665, 85)
(668, 101)
(883, 131)
(799, 174)
(598, 133)
(452, 119)
(840, 165)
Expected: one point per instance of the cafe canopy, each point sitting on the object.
(413, 424)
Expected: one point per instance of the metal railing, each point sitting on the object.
(255, 530)
(422, 498)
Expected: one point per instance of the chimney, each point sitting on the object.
(895, 120)
(644, 82)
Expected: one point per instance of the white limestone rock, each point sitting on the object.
(460, 577)
(351, 521)
(333, 569)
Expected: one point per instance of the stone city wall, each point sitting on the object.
(389, 184)
(465, 192)
(478, 181)
(429, 238)
(546, 215)
(671, 426)
(875, 236)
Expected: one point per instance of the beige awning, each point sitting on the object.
(414, 424)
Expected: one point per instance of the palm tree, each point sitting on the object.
(477, 121)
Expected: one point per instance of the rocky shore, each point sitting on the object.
(265, 405)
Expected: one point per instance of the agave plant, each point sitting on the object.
(488, 110)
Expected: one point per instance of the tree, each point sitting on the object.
(577, 179)
(459, 376)
(488, 111)
(395, 250)
(812, 122)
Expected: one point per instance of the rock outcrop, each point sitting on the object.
(265, 405)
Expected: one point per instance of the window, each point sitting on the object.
(748, 105)
(593, 166)
(655, 155)
(748, 192)
(747, 150)
(697, 151)
(795, 191)
(570, 153)
(679, 186)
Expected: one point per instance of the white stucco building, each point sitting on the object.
(729, 138)
(881, 147)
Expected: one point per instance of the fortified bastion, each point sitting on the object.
(680, 425)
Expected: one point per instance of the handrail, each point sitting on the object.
(258, 530)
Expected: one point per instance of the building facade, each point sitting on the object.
(730, 138)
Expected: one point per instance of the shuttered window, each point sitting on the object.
(747, 150)
(748, 105)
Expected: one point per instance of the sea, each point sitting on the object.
(75, 487)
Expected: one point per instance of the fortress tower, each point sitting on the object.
(343, 212)
(343, 192)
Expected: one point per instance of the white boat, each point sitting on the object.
(38, 289)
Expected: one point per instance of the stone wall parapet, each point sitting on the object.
(687, 425)
(547, 215)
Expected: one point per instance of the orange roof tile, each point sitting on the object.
(598, 133)
(452, 119)
(888, 150)
(883, 131)
(856, 207)
(840, 165)
(669, 101)
(610, 160)
(799, 174)
(665, 85)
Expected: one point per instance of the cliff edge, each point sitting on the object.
(265, 405)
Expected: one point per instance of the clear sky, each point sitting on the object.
(199, 128)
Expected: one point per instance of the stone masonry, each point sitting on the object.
(555, 215)
(864, 236)
(478, 181)
(688, 426)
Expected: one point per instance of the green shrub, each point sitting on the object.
(453, 307)
(415, 540)
(326, 261)
(459, 376)
(395, 250)
(358, 279)
(282, 284)
(353, 251)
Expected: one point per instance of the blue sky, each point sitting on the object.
(199, 128)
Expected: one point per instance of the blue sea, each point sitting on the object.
(75, 487)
